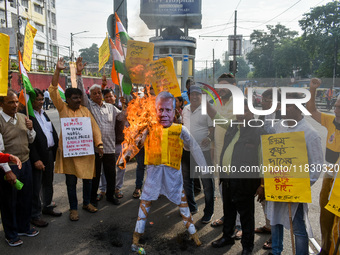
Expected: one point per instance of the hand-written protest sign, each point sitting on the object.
(285, 172)
(4, 55)
(104, 53)
(77, 136)
(334, 202)
(138, 55)
(28, 46)
(163, 76)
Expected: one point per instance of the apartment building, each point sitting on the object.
(41, 14)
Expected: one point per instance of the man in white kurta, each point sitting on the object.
(164, 174)
(277, 212)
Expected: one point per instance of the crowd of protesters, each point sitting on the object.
(35, 152)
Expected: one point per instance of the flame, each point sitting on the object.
(142, 118)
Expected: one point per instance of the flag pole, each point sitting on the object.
(337, 246)
(291, 226)
(26, 101)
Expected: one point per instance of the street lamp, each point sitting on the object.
(72, 34)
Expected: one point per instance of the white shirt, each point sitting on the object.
(30, 134)
(197, 124)
(46, 127)
(277, 212)
(47, 94)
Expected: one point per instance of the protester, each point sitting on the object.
(105, 116)
(277, 212)
(75, 167)
(242, 147)
(164, 175)
(119, 127)
(47, 99)
(178, 110)
(332, 123)
(42, 155)
(201, 128)
(16, 205)
(225, 110)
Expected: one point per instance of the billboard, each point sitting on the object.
(165, 13)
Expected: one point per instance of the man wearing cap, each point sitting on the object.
(201, 128)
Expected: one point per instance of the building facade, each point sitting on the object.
(41, 14)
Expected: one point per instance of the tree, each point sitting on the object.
(321, 30)
(90, 55)
(291, 59)
(265, 42)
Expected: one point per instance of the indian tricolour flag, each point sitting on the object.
(124, 37)
(27, 85)
(119, 64)
(61, 92)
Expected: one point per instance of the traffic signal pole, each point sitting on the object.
(234, 51)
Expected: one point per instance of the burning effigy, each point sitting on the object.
(141, 115)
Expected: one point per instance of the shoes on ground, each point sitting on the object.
(206, 219)
(40, 223)
(31, 233)
(74, 215)
(90, 208)
(223, 242)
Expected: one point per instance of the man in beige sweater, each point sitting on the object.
(16, 205)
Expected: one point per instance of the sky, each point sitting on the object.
(75, 16)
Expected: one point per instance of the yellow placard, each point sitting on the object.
(73, 71)
(334, 202)
(138, 55)
(104, 53)
(28, 46)
(163, 77)
(4, 55)
(285, 167)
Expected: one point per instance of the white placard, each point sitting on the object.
(77, 136)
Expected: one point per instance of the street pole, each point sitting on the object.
(73, 34)
(213, 66)
(234, 51)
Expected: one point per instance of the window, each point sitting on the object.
(192, 51)
(54, 20)
(176, 50)
(40, 45)
(2, 16)
(178, 66)
(39, 27)
(24, 3)
(41, 63)
(191, 66)
(54, 50)
(53, 3)
(54, 34)
(38, 9)
(164, 50)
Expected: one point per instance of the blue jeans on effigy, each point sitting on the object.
(300, 233)
(71, 183)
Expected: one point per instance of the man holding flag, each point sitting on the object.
(16, 205)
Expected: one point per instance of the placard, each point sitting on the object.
(285, 167)
(4, 55)
(163, 77)
(333, 204)
(73, 71)
(77, 136)
(104, 53)
(138, 55)
(28, 46)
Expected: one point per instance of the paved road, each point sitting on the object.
(109, 231)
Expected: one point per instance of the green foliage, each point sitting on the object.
(267, 44)
(14, 66)
(40, 68)
(90, 55)
(321, 38)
